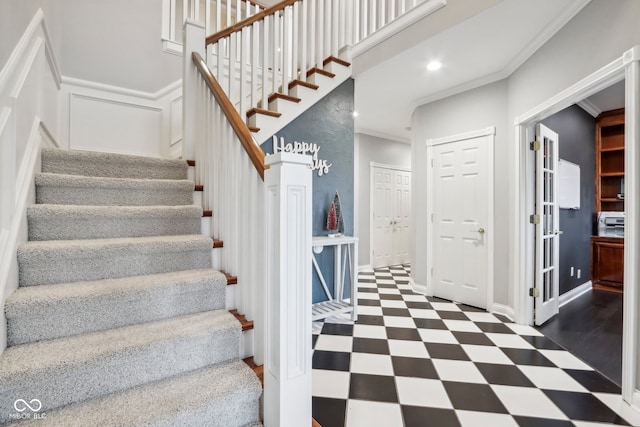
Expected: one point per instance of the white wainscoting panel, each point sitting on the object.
(99, 124)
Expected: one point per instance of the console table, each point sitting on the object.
(345, 256)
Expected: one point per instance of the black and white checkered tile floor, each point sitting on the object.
(412, 360)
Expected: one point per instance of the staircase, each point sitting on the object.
(119, 318)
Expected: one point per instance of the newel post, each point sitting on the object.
(287, 374)
(193, 40)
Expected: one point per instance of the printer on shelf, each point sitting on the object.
(611, 224)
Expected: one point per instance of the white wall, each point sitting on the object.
(470, 111)
(29, 86)
(117, 43)
(597, 35)
(372, 149)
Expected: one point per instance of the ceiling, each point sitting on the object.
(481, 49)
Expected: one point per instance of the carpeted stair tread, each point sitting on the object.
(225, 395)
(37, 313)
(52, 188)
(72, 369)
(61, 261)
(68, 222)
(111, 165)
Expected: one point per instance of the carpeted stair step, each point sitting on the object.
(62, 261)
(88, 163)
(67, 370)
(44, 312)
(62, 189)
(68, 222)
(224, 395)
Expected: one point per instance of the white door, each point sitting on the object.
(401, 220)
(391, 207)
(547, 231)
(462, 208)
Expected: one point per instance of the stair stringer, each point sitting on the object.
(271, 126)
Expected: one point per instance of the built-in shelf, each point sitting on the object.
(610, 161)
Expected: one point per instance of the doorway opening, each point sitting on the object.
(626, 68)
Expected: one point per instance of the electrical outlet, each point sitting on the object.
(578, 275)
(571, 272)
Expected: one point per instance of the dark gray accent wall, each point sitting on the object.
(576, 136)
(329, 123)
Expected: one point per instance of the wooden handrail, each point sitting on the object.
(239, 126)
(249, 21)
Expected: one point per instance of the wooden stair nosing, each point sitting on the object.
(231, 280)
(254, 129)
(316, 70)
(191, 162)
(295, 83)
(336, 60)
(277, 95)
(246, 324)
(217, 243)
(198, 187)
(262, 111)
(257, 369)
(207, 213)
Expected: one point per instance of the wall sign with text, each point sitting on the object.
(322, 166)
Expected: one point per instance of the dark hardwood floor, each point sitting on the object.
(590, 327)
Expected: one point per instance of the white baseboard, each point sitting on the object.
(574, 293)
(635, 403)
(504, 310)
(366, 267)
(418, 288)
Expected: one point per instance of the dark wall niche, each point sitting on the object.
(329, 124)
(576, 144)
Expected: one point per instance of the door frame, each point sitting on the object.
(372, 192)
(626, 67)
(489, 233)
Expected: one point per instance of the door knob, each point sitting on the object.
(481, 230)
(558, 232)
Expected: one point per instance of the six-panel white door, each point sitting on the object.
(462, 212)
(391, 205)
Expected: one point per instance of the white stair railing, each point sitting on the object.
(269, 51)
(263, 214)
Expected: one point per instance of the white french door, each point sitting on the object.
(547, 225)
(461, 217)
(391, 207)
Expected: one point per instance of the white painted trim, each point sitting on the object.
(393, 167)
(635, 401)
(152, 96)
(503, 310)
(382, 135)
(589, 107)
(403, 21)
(574, 293)
(365, 267)
(489, 131)
(172, 47)
(19, 51)
(418, 288)
(628, 67)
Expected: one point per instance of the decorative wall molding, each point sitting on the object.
(100, 117)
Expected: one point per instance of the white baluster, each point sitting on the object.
(195, 10)
(255, 61)
(365, 19)
(276, 54)
(265, 36)
(295, 43)
(242, 81)
(312, 34)
(207, 16)
(218, 16)
(383, 12)
(320, 37)
(286, 49)
(335, 25)
(303, 13)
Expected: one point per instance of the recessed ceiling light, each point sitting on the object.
(434, 65)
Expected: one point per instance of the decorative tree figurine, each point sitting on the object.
(332, 221)
(336, 202)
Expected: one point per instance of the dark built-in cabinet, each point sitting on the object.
(607, 253)
(607, 263)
